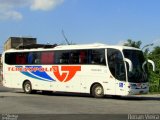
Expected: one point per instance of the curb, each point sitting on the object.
(148, 95)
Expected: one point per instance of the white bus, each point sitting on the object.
(96, 69)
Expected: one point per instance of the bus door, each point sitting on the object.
(120, 76)
(117, 69)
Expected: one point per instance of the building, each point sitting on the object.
(16, 42)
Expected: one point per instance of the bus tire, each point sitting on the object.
(97, 91)
(27, 87)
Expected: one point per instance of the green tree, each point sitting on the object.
(132, 43)
(155, 76)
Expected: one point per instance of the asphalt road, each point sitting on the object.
(15, 102)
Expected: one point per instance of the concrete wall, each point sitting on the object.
(15, 42)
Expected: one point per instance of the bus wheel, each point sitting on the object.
(97, 91)
(27, 87)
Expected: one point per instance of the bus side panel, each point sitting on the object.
(80, 82)
(84, 79)
(7, 77)
(14, 78)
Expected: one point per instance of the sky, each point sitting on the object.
(83, 21)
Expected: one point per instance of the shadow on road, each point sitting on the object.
(130, 98)
(66, 94)
(134, 98)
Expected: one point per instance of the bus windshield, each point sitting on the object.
(137, 58)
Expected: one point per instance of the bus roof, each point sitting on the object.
(75, 47)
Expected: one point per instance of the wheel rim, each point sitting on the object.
(99, 90)
(27, 87)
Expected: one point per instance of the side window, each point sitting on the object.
(10, 58)
(83, 59)
(30, 58)
(78, 57)
(116, 64)
(34, 58)
(47, 57)
(16, 58)
(71, 57)
(97, 56)
(62, 57)
(21, 58)
(74, 57)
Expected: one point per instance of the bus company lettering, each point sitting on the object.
(62, 73)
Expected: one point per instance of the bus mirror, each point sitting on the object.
(130, 64)
(153, 64)
(150, 61)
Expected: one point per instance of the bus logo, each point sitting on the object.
(62, 73)
(65, 73)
